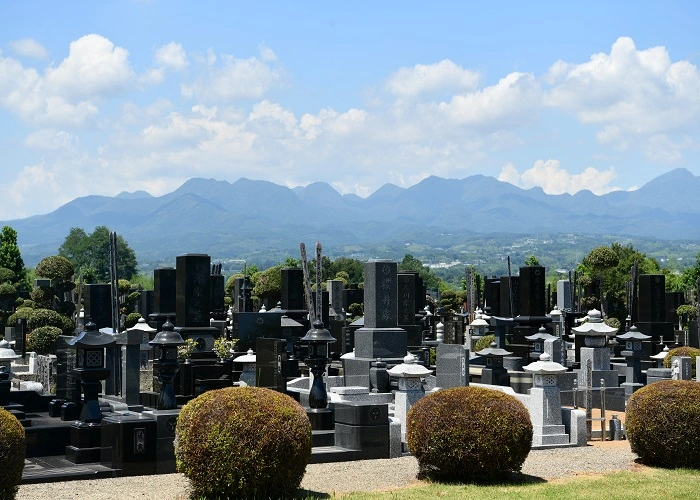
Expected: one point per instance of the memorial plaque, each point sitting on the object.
(271, 364)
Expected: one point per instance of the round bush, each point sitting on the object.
(21, 312)
(243, 442)
(48, 317)
(42, 340)
(469, 434)
(691, 352)
(12, 451)
(55, 267)
(43, 295)
(663, 424)
(131, 320)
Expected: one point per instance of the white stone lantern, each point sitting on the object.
(410, 376)
(545, 403)
(248, 359)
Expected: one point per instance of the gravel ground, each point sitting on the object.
(366, 475)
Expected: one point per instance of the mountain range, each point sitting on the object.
(254, 217)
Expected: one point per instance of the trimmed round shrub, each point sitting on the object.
(22, 312)
(485, 342)
(131, 320)
(43, 295)
(12, 451)
(48, 317)
(7, 275)
(42, 340)
(469, 434)
(243, 442)
(692, 352)
(55, 267)
(663, 424)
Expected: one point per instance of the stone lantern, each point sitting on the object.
(142, 327)
(594, 332)
(409, 374)
(660, 357)
(538, 340)
(90, 368)
(633, 353)
(477, 329)
(165, 363)
(249, 359)
(494, 373)
(559, 324)
(7, 356)
(318, 340)
(545, 402)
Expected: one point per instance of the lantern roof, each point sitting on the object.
(167, 336)
(92, 337)
(6, 352)
(594, 327)
(545, 366)
(248, 357)
(318, 334)
(142, 326)
(633, 334)
(494, 351)
(541, 335)
(409, 368)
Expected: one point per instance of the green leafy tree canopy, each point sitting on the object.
(89, 254)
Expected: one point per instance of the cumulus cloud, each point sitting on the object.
(639, 91)
(172, 56)
(50, 140)
(94, 68)
(28, 47)
(66, 94)
(512, 102)
(232, 79)
(553, 179)
(427, 78)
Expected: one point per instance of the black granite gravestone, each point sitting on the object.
(532, 291)
(509, 287)
(193, 290)
(98, 304)
(248, 327)
(164, 290)
(492, 294)
(292, 288)
(271, 364)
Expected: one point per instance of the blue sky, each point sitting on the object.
(104, 97)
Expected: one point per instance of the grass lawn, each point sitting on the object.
(643, 483)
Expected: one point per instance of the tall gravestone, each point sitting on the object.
(193, 300)
(651, 310)
(407, 303)
(380, 337)
(564, 302)
(492, 296)
(532, 291)
(164, 294)
(292, 289)
(510, 294)
(98, 304)
(242, 295)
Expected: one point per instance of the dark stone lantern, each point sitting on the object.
(633, 353)
(90, 368)
(165, 358)
(318, 340)
(538, 342)
(494, 355)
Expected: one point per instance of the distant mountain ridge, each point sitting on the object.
(222, 218)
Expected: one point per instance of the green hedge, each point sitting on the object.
(663, 424)
(243, 442)
(42, 340)
(469, 434)
(12, 451)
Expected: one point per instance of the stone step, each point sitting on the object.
(327, 454)
(323, 438)
(53, 469)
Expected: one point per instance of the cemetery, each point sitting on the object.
(401, 380)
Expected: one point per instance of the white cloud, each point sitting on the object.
(28, 47)
(639, 91)
(553, 179)
(512, 102)
(50, 140)
(422, 78)
(171, 56)
(94, 68)
(233, 79)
